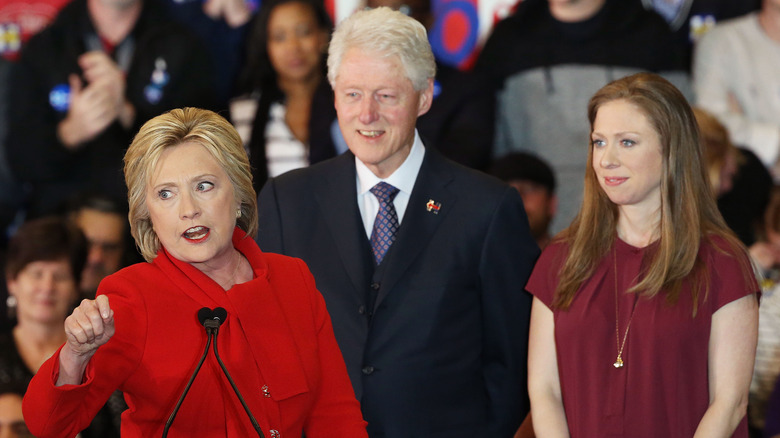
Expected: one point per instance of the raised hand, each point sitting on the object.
(89, 327)
(98, 104)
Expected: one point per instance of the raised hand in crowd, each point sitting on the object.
(96, 104)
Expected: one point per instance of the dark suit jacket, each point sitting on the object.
(441, 352)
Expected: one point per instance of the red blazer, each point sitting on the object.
(277, 343)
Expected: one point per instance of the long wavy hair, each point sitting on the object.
(689, 212)
(261, 80)
(259, 74)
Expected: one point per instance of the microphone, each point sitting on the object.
(211, 320)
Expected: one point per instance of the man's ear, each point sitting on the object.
(426, 98)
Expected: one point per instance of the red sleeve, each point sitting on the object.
(64, 411)
(544, 278)
(336, 411)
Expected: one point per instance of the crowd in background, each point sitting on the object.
(77, 84)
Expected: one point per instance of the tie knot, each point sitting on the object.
(384, 191)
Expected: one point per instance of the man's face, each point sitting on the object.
(105, 234)
(377, 108)
(539, 203)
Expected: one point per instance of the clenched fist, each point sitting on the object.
(90, 326)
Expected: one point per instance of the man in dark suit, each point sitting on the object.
(422, 262)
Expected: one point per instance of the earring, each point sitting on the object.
(10, 304)
(238, 213)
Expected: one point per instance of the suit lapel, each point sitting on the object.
(336, 193)
(418, 223)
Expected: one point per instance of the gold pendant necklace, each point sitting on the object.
(620, 345)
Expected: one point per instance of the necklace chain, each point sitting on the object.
(620, 345)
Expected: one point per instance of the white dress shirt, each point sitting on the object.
(403, 179)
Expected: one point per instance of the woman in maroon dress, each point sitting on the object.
(644, 320)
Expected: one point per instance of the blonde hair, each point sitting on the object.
(717, 145)
(688, 208)
(173, 128)
(388, 33)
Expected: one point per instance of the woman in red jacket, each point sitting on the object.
(193, 215)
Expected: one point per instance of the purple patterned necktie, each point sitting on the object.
(386, 222)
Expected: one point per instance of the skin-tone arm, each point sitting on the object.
(89, 326)
(95, 106)
(732, 350)
(544, 384)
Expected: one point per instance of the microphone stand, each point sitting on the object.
(211, 320)
(235, 388)
(189, 384)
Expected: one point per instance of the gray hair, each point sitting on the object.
(388, 33)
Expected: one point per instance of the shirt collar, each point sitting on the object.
(403, 178)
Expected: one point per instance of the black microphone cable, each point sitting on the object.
(202, 316)
(211, 320)
(235, 388)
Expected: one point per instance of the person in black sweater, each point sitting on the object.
(85, 84)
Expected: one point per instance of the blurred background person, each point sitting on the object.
(45, 259)
(11, 419)
(12, 195)
(288, 120)
(84, 85)
(735, 77)
(535, 181)
(19, 20)
(104, 223)
(691, 19)
(222, 26)
(740, 182)
(765, 253)
(549, 57)
(772, 424)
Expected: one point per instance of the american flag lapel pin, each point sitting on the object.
(433, 206)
